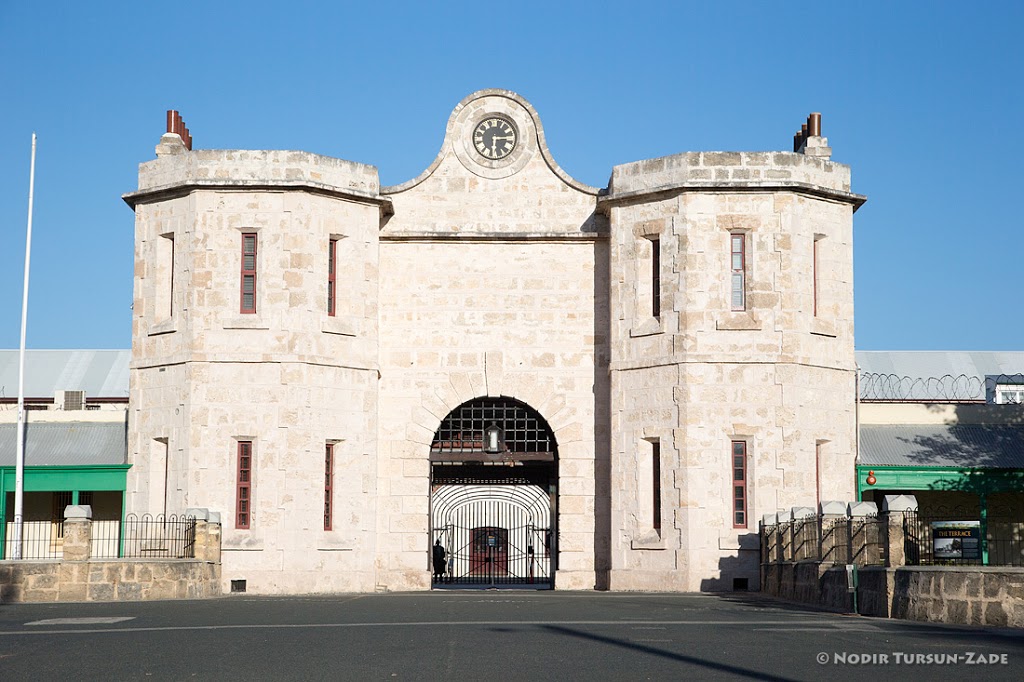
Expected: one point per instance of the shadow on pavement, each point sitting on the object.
(683, 658)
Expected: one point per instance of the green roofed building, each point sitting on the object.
(948, 428)
(75, 444)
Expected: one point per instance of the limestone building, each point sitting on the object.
(556, 384)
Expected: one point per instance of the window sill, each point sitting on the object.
(343, 326)
(820, 327)
(739, 321)
(649, 328)
(168, 326)
(650, 539)
(247, 322)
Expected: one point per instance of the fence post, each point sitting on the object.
(77, 532)
(893, 507)
(203, 548)
(213, 528)
(860, 510)
(829, 513)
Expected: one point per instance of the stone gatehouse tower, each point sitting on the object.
(557, 384)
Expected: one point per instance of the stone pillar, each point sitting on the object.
(77, 532)
(213, 535)
(207, 541)
(893, 507)
(831, 513)
(861, 553)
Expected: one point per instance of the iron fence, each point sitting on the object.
(106, 539)
(869, 540)
(806, 544)
(835, 541)
(39, 539)
(164, 537)
(958, 536)
(844, 540)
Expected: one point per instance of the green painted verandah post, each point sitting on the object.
(984, 529)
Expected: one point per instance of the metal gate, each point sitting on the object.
(493, 534)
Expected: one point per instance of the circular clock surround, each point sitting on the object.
(495, 137)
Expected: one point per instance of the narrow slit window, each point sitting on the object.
(738, 267)
(656, 484)
(165, 276)
(656, 277)
(243, 493)
(332, 264)
(739, 484)
(816, 272)
(328, 486)
(248, 304)
(170, 286)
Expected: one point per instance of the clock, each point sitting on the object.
(495, 137)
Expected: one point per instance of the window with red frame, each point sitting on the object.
(738, 266)
(328, 486)
(739, 484)
(243, 492)
(248, 304)
(332, 265)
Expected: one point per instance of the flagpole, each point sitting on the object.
(19, 475)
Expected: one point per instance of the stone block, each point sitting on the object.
(995, 614)
(992, 585)
(833, 507)
(899, 503)
(861, 509)
(953, 584)
(957, 611)
(77, 511)
(100, 592)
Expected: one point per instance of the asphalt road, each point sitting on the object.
(488, 635)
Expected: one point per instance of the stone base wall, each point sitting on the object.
(962, 595)
(112, 580)
(990, 595)
(809, 582)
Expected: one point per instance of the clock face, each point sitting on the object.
(494, 138)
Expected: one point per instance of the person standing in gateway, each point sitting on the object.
(439, 560)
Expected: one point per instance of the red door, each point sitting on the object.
(488, 552)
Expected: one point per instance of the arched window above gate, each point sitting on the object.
(493, 429)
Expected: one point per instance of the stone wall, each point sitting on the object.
(78, 577)
(986, 595)
(108, 580)
(964, 595)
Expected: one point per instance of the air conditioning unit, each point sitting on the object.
(69, 400)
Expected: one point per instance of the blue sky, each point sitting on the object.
(923, 100)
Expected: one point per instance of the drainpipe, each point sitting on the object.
(856, 432)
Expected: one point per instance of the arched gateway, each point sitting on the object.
(494, 479)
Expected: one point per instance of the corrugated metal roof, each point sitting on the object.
(100, 373)
(990, 447)
(66, 443)
(929, 363)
